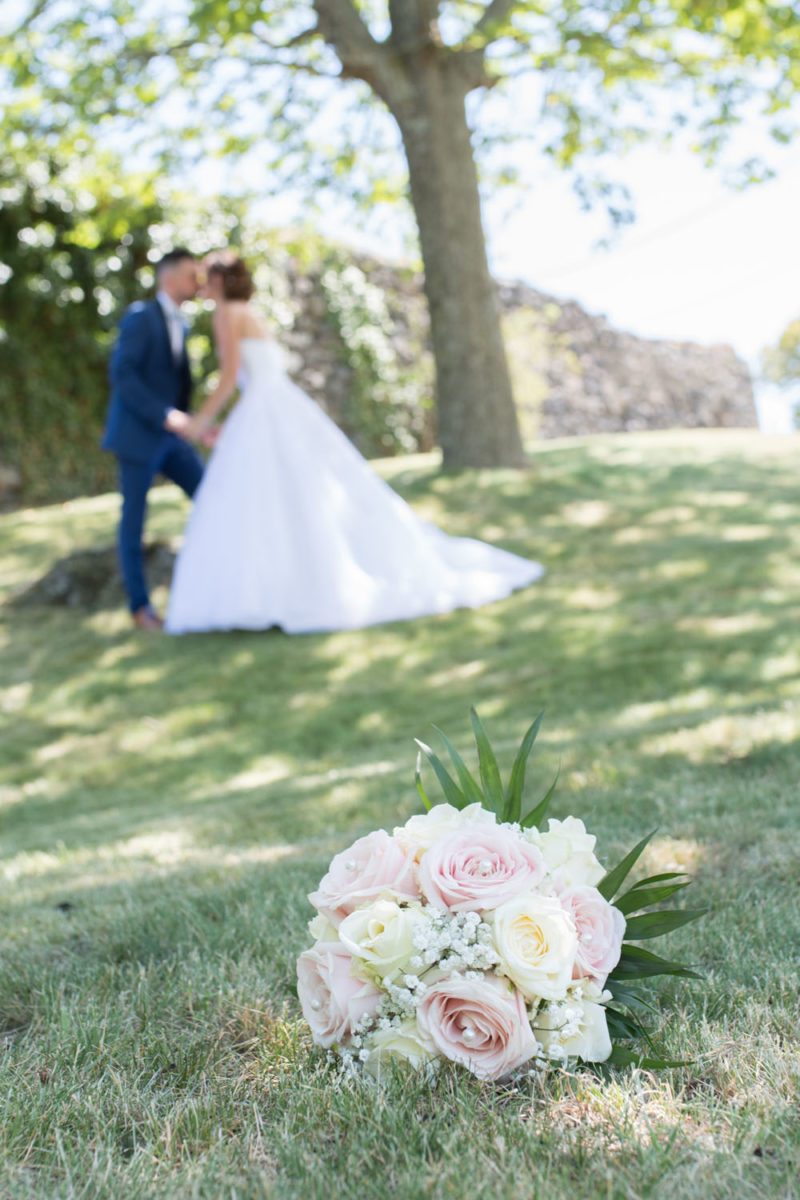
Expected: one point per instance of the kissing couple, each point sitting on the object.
(290, 527)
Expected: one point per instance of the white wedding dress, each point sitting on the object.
(292, 527)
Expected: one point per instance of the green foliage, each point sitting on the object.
(507, 805)
(73, 249)
(303, 67)
(386, 407)
(781, 362)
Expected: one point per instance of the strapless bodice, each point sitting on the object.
(260, 358)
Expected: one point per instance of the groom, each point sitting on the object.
(148, 418)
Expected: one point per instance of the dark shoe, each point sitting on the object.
(145, 618)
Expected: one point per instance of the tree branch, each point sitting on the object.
(361, 56)
(494, 17)
(341, 26)
(414, 25)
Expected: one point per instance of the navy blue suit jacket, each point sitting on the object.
(146, 381)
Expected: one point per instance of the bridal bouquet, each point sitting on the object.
(474, 934)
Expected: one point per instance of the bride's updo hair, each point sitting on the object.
(237, 282)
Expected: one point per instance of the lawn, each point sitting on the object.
(167, 804)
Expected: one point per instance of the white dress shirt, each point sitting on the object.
(175, 324)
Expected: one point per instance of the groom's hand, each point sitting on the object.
(178, 422)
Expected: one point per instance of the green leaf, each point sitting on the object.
(646, 892)
(452, 791)
(538, 813)
(418, 781)
(614, 878)
(621, 1025)
(516, 784)
(472, 793)
(625, 995)
(636, 963)
(489, 770)
(664, 920)
(621, 1056)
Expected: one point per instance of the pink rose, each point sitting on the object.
(374, 867)
(481, 1023)
(333, 1000)
(600, 928)
(478, 867)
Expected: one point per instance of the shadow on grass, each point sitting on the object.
(670, 600)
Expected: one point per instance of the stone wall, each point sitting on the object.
(573, 373)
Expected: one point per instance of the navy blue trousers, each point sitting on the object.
(181, 463)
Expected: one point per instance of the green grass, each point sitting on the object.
(166, 804)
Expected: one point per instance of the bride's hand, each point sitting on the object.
(197, 427)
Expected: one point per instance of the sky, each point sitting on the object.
(703, 261)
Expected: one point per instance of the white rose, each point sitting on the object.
(568, 850)
(580, 1029)
(420, 832)
(321, 929)
(537, 943)
(381, 935)
(405, 1041)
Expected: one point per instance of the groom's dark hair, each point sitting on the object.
(172, 258)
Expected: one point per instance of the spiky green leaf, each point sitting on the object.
(623, 994)
(516, 784)
(538, 813)
(647, 892)
(613, 879)
(664, 920)
(489, 770)
(623, 1025)
(423, 795)
(472, 793)
(621, 1056)
(636, 963)
(452, 791)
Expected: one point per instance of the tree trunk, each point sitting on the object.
(476, 415)
(424, 84)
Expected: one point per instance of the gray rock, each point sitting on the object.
(89, 579)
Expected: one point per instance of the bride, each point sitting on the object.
(291, 526)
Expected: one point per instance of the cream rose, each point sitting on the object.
(578, 1028)
(478, 1022)
(569, 852)
(321, 929)
(405, 1041)
(537, 943)
(421, 831)
(381, 935)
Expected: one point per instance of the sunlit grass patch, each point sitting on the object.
(167, 804)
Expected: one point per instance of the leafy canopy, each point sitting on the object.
(283, 81)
